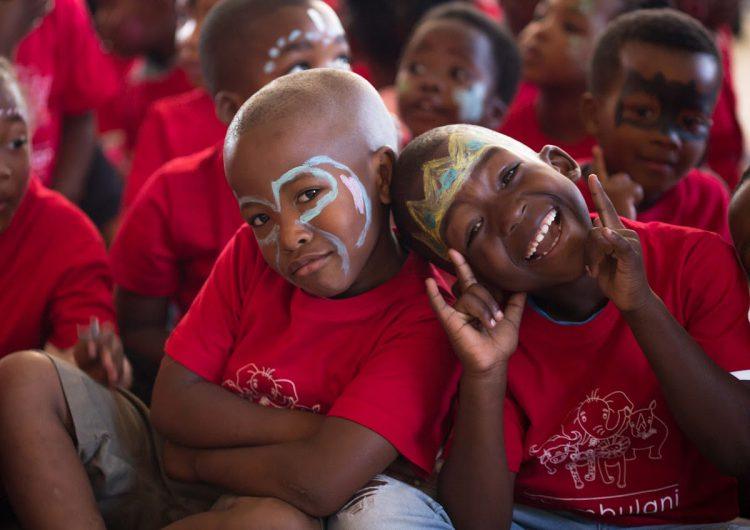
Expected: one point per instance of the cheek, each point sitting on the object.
(470, 102)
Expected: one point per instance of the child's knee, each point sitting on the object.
(267, 514)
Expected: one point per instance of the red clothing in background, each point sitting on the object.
(175, 230)
(587, 427)
(380, 359)
(176, 126)
(64, 72)
(698, 200)
(54, 274)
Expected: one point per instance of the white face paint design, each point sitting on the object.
(325, 35)
(470, 102)
(311, 167)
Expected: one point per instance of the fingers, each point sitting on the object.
(514, 308)
(605, 243)
(463, 271)
(479, 305)
(603, 205)
(598, 164)
(438, 303)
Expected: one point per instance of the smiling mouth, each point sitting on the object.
(546, 237)
(308, 265)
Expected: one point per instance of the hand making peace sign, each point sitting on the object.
(483, 336)
(613, 255)
(625, 193)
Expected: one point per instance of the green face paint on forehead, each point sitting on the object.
(442, 179)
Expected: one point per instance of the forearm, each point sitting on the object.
(145, 348)
(711, 406)
(475, 485)
(196, 413)
(74, 155)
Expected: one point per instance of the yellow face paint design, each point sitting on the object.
(442, 179)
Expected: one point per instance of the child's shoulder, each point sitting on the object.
(179, 103)
(705, 182)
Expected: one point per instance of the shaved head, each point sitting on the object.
(340, 103)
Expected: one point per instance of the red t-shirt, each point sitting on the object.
(380, 359)
(587, 427)
(176, 126)
(175, 230)
(725, 143)
(137, 91)
(54, 274)
(64, 72)
(698, 200)
(522, 123)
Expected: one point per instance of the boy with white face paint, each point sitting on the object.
(308, 379)
(459, 66)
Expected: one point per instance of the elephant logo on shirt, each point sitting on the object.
(261, 386)
(600, 436)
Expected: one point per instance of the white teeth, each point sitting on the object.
(541, 233)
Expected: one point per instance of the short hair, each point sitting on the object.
(311, 93)
(506, 57)
(666, 28)
(225, 35)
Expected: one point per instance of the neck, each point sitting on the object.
(163, 55)
(559, 112)
(384, 263)
(573, 302)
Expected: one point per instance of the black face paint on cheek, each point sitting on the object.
(673, 97)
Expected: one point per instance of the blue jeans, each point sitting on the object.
(387, 503)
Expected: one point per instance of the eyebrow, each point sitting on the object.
(304, 44)
(250, 200)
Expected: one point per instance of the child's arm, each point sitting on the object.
(476, 486)
(192, 412)
(74, 156)
(317, 475)
(711, 406)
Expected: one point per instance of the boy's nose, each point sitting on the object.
(510, 217)
(293, 234)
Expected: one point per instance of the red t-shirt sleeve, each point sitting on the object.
(84, 289)
(89, 77)
(717, 302)
(150, 153)
(143, 255)
(403, 391)
(204, 338)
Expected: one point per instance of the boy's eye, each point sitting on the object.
(308, 195)
(416, 68)
(696, 124)
(299, 67)
(474, 229)
(18, 143)
(459, 74)
(259, 220)
(572, 27)
(342, 62)
(640, 113)
(507, 176)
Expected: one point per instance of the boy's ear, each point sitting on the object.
(494, 113)
(561, 161)
(590, 113)
(227, 104)
(382, 163)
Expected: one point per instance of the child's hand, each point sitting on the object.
(613, 255)
(482, 336)
(625, 193)
(179, 462)
(99, 353)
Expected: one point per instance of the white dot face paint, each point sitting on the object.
(470, 102)
(312, 166)
(323, 33)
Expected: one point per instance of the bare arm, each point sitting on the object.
(476, 486)
(143, 328)
(192, 412)
(317, 475)
(710, 406)
(74, 155)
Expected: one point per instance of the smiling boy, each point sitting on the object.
(625, 395)
(653, 82)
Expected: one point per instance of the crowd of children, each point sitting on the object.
(497, 276)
